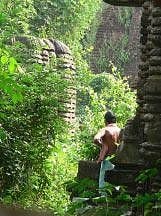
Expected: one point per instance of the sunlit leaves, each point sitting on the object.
(146, 175)
(10, 89)
(12, 65)
(33, 126)
(3, 18)
(4, 59)
(102, 92)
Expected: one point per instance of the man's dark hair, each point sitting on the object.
(110, 117)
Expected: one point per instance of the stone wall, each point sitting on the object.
(144, 131)
(129, 3)
(131, 68)
(7, 210)
(151, 148)
(142, 135)
(146, 146)
(110, 31)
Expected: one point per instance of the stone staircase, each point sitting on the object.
(121, 175)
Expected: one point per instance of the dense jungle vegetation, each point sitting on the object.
(38, 153)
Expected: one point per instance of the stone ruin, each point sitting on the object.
(41, 51)
(141, 147)
(110, 36)
(8, 210)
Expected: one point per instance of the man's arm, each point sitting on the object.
(98, 137)
(103, 153)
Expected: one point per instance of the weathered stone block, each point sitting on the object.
(140, 92)
(145, 21)
(156, 12)
(156, 3)
(143, 49)
(148, 117)
(144, 66)
(150, 153)
(88, 169)
(123, 174)
(153, 99)
(156, 39)
(143, 40)
(153, 85)
(155, 52)
(129, 3)
(154, 70)
(150, 146)
(144, 31)
(143, 57)
(153, 130)
(155, 30)
(149, 45)
(152, 108)
(156, 21)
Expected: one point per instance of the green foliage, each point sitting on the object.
(116, 51)
(15, 17)
(89, 39)
(10, 89)
(71, 18)
(124, 16)
(37, 153)
(83, 188)
(103, 91)
(31, 128)
(146, 175)
(116, 200)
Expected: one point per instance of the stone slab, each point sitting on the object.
(129, 3)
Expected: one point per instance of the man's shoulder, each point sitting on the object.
(111, 129)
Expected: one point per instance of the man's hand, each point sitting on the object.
(99, 160)
(98, 142)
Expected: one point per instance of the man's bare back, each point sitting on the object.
(107, 138)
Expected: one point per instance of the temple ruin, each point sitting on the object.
(41, 51)
(142, 135)
(117, 31)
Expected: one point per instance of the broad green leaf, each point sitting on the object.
(3, 18)
(4, 59)
(12, 68)
(12, 65)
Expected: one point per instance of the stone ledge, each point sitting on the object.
(123, 173)
(129, 3)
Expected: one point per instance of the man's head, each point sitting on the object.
(110, 117)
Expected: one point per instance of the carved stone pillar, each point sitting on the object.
(151, 148)
(141, 147)
(134, 130)
(41, 51)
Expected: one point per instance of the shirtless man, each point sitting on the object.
(107, 138)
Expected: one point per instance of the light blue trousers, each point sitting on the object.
(105, 165)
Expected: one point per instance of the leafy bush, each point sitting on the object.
(83, 188)
(103, 91)
(37, 154)
(31, 127)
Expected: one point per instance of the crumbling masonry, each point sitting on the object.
(42, 51)
(142, 135)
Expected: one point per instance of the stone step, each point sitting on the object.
(122, 174)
